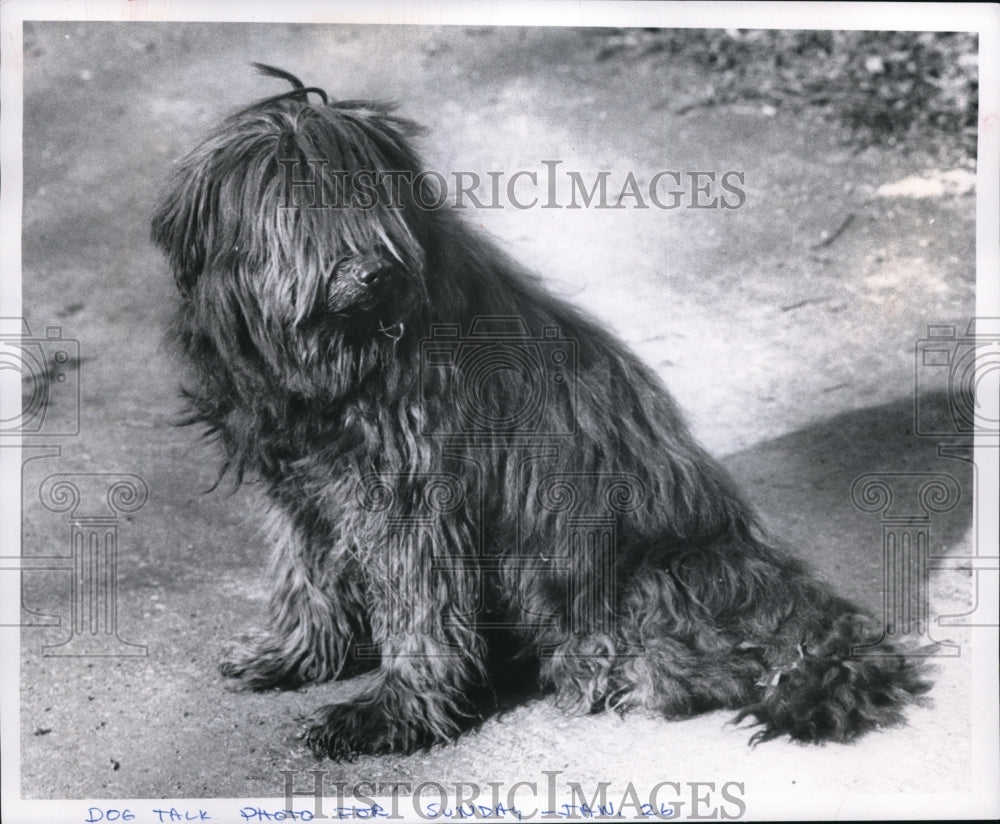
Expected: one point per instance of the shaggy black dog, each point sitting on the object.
(464, 472)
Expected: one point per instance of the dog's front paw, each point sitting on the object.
(258, 662)
(344, 731)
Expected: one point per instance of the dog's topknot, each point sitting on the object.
(299, 89)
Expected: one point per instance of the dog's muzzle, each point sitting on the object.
(363, 282)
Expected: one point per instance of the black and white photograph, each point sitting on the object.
(499, 411)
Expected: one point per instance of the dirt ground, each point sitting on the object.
(793, 359)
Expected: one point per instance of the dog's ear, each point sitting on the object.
(175, 231)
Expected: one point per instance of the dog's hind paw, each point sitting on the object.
(828, 695)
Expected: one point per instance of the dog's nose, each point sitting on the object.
(370, 276)
(375, 273)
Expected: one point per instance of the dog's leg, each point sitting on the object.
(736, 624)
(316, 615)
(431, 657)
(648, 643)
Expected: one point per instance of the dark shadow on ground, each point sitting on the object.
(802, 483)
